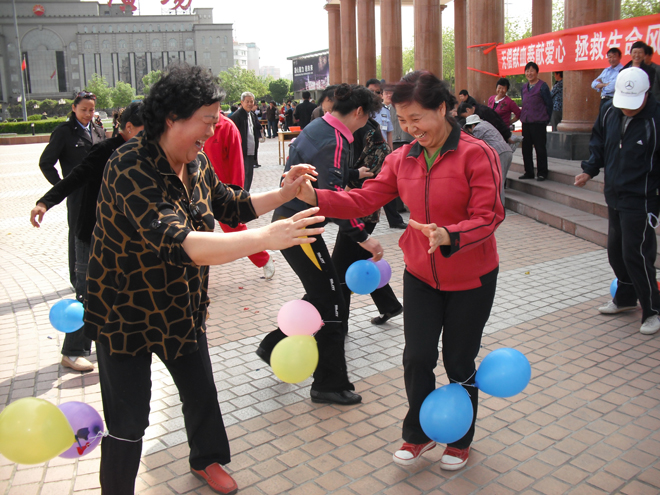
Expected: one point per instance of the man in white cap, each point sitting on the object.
(488, 132)
(626, 142)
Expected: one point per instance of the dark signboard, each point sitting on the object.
(311, 72)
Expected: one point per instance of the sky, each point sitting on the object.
(284, 28)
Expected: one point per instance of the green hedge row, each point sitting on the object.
(40, 126)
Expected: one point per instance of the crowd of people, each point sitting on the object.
(146, 202)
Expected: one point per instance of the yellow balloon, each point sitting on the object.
(33, 431)
(294, 359)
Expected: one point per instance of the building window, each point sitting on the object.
(223, 54)
(74, 60)
(155, 44)
(189, 44)
(142, 28)
(109, 29)
(121, 44)
(203, 40)
(139, 44)
(88, 45)
(105, 45)
(151, 28)
(73, 46)
(217, 40)
(207, 56)
(172, 43)
(94, 30)
(225, 40)
(85, 29)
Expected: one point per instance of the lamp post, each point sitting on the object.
(20, 62)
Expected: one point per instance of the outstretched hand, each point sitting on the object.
(438, 236)
(293, 231)
(37, 214)
(295, 178)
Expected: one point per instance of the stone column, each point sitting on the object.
(428, 38)
(541, 24)
(348, 45)
(460, 45)
(391, 46)
(581, 103)
(334, 35)
(486, 21)
(366, 12)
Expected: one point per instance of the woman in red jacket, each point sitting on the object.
(451, 183)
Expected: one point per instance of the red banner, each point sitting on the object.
(580, 48)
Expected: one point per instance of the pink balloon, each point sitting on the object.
(385, 272)
(299, 318)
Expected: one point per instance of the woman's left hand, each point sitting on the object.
(438, 236)
(295, 178)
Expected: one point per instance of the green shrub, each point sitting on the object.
(40, 126)
(34, 117)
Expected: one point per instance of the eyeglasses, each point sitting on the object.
(377, 92)
(87, 95)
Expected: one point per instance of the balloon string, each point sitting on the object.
(107, 434)
(465, 384)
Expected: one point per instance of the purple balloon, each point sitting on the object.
(87, 426)
(385, 272)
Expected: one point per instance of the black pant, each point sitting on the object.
(535, 136)
(631, 250)
(321, 282)
(345, 253)
(272, 128)
(460, 316)
(76, 343)
(72, 211)
(126, 391)
(249, 162)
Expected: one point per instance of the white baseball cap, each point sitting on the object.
(631, 87)
(472, 120)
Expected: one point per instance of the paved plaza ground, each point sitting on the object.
(588, 423)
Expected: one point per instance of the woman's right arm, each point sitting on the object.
(51, 155)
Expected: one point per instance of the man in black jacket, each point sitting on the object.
(626, 142)
(250, 128)
(304, 111)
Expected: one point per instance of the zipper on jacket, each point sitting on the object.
(428, 220)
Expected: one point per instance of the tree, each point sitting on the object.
(558, 15)
(279, 89)
(448, 56)
(637, 8)
(122, 94)
(99, 86)
(236, 80)
(149, 79)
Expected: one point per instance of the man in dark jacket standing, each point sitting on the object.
(273, 116)
(304, 111)
(626, 142)
(248, 125)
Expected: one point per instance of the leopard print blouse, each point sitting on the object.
(144, 293)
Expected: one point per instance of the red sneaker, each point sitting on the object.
(217, 478)
(410, 452)
(454, 459)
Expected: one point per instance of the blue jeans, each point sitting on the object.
(272, 128)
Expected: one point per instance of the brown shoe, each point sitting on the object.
(217, 478)
(80, 364)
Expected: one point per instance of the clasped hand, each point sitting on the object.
(294, 180)
(438, 236)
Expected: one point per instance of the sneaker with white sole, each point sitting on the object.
(611, 309)
(410, 452)
(454, 459)
(651, 325)
(269, 269)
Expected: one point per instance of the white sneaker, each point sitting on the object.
(611, 309)
(269, 269)
(650, 325)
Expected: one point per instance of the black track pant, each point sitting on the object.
(313, 265)
(460, 317)
(535, 136)
(126, 391)
(631, 249)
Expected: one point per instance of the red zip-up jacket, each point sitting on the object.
(461, 192)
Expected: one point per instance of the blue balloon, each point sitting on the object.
(363, 277)
(613, 286)
(503, 373)
(446, 414)
(67, 315)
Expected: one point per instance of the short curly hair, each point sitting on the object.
(177, 95)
